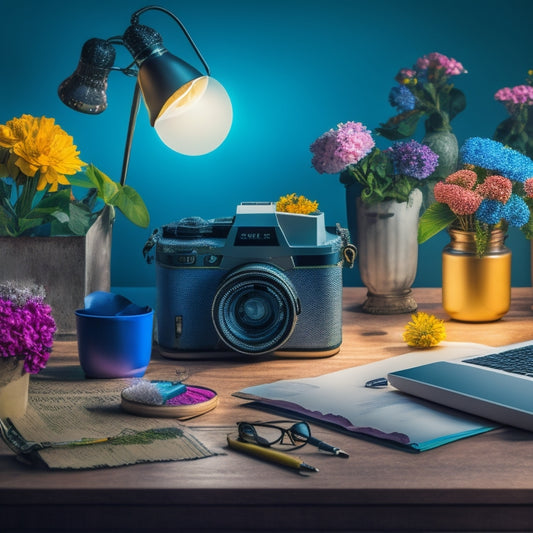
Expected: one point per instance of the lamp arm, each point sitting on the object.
(138, 13)
(131, 128)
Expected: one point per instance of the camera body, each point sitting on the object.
(259, 282)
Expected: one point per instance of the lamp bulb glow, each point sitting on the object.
(197, 118)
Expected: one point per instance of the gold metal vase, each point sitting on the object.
(476, 289)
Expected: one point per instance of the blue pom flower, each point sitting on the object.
(516, 211)
(493, 155)
(402, 98)
(490, 211)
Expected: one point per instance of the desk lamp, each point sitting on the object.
(190, 111)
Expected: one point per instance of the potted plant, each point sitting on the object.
(477, 204)
(26, 337)
(386, 208)
(425, 91)
(44, 227)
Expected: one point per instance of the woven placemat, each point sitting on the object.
(77, 409)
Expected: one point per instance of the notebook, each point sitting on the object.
(497, 386)
(343, 401)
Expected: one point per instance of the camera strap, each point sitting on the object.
(349, 250)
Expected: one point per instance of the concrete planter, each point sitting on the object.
(67, 267)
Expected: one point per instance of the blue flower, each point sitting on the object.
(402, 98)
(490, 211)
(493, 155)
(516, 211)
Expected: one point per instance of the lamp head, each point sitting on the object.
(191, 112)
(85, 89)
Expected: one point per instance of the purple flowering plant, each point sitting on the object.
(383, 175)
(516, 130)
(26, 325)
(425, 90)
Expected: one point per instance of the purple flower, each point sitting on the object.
(402, 98)
(413, 159)
(334, 150)
(26, 327)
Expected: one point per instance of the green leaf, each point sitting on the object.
(434, 219)
(400, 126)
(106, 187)
(456, 103)
(132, 206)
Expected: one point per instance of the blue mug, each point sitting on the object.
(114, 337)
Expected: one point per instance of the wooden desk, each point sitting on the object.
(479, 484)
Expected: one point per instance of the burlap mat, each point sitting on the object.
(75, 408)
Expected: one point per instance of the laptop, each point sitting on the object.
(497, 386)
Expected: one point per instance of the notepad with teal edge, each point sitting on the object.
(342, 400)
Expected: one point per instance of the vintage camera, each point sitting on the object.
(259, 282)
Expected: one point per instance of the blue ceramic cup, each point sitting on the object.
(114, 336)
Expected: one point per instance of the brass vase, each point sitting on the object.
(476, 289)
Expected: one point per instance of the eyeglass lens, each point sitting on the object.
(269, 434)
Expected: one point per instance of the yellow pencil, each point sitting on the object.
(270, 455)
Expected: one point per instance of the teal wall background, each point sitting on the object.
(293, 68)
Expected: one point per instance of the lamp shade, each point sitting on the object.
(85, 89)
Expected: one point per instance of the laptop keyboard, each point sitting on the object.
(516, 360)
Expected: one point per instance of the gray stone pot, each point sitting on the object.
(67, 267)
(388, 253)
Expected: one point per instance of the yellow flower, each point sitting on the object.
(16, 130)
(41, 146)
(296, 204)
(424, 331)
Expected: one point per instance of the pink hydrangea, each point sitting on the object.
(465, 178)
(334, 150)
(520, 94)
(460, 200)
(496, 188)
(451, 66)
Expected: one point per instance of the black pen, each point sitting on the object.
(326, 447)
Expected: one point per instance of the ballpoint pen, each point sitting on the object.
(327, 447)
(270, 455)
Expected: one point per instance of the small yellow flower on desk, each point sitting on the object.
(296, 204)
(424, 331)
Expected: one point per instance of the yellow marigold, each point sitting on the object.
(40, 145)
(296, 204)
(424, 331)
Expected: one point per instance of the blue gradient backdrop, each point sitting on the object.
(293, 68)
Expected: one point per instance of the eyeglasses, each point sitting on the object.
(269, 434)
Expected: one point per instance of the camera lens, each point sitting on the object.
(255, 309)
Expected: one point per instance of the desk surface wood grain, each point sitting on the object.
(482, 483)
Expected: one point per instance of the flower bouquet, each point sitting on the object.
(383, 175)
(425, 90)
(493, 190)
(26, 325)
(517, 130)
(36, 196)
(26, 336)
